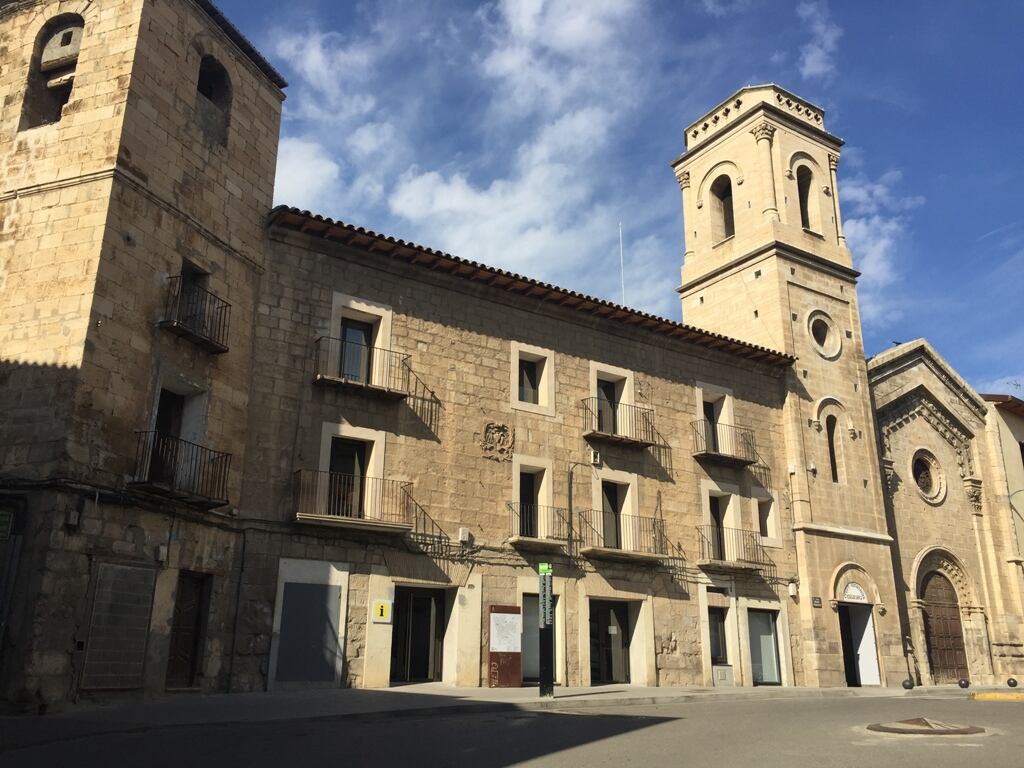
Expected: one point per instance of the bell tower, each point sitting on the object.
(766, 262)
(759, 181)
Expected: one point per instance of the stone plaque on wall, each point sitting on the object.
(115, 652)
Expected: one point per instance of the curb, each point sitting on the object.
(997, 696)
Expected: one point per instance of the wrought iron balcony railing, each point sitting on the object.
(338, 497)
(737, 547)
(618, 422)
(628, 533)
(169, 466)
(372, 369)
(196, 314)
(724, 443)
(535, 521)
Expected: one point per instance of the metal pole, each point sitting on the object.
(546, 635)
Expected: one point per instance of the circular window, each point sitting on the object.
(824, 335)
(927, 475)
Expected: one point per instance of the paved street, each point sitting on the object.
(767, 732)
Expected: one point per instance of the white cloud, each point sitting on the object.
(722, 8)
(306, 174)
(817, 57)
(875, 226)
(1004, 385)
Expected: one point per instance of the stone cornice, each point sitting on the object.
(899, 359)
(782, 249)
(843, 533)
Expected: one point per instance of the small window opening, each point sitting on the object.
(833, 459)
(819, 330)
(804, 179)
(766, 518)
(529, 380)
(213, 102)
(923, 476)
(722, 213)
(52, 71)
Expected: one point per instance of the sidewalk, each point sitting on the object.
(423, 700)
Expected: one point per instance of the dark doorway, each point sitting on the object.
(185, 653)
(417, 635)
(942, 630)
(348, 477)
(356, 350)
(612, 495)
(860, 654)
(529, 495)
(710, 428)
(717, 528)
(849, 650)
(163, 460)
(607, 407)
(609, 642)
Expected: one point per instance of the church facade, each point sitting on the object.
(247, 447)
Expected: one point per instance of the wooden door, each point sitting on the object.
(943, 631)
(184, 654)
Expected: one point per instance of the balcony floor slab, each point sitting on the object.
(620, 555)
(356, 523)
(536, 544)
(358, 386)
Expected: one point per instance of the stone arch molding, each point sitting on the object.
(940, 560)
(920, 404)
(726, 167)
(832, 404)
(848, 579)
(799, 158)
(87, 9)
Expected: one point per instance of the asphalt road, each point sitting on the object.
(812, 732)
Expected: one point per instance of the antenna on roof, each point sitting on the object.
(622, 270)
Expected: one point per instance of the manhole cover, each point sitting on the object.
(925, 726)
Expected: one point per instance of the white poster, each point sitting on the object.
(506, 632)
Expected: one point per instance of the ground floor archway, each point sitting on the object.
(943, 629)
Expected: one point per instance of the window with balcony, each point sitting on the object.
(609, 413)
(532, 384)
(193, 312)
(716, 438)
(613, 497)
(354, 354)
(170, 459)
(350, 488)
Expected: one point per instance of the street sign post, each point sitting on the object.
(546, 635)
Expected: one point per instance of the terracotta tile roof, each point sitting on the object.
(294, 219)
(242, 42)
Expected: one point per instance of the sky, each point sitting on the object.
(520, 133)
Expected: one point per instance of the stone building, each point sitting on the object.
(245, 448)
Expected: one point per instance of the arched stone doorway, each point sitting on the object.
(948, 623)
(943, 630)
(855, 600)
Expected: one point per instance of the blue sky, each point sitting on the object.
(520, 133)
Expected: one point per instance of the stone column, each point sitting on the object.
(684, 184)
(833, 164)
(764, 133)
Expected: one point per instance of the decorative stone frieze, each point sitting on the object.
(498, 442)
(972, 487)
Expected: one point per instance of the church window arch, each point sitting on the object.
(723, 223)
(52, 71)
(831, 424)
(213, 99)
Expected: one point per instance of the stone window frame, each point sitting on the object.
(938, 476)
(631, 504)
(833, 348)
(546, 387)
(522, 462)
(774, 537)
(380, 316)
(376, 439)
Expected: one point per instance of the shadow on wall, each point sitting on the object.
(36, 403)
